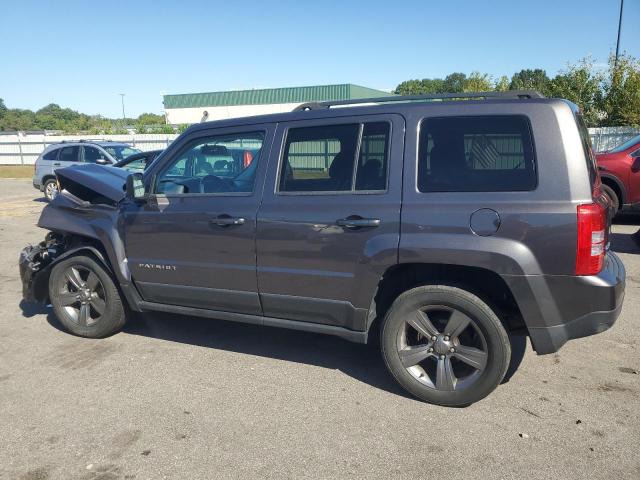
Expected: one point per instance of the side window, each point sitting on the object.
(92, 155)
(217, 164)
(322, 159)
(137, 165)
(374, 157)
(476, 154)
(52, 155)
(69, 154)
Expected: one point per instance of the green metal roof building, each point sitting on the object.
(196, 107)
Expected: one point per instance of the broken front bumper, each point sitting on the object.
(32, 262)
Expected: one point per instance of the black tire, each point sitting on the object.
(97, 314)
(484, 330)
(50, 189)
(613, 199)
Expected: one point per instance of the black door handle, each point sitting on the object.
(56, 164)
(227, 220)
(358, 222)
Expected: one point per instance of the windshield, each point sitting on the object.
(628, 144)
(120, 152)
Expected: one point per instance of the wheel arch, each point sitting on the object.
(616, 184)
(484, 283)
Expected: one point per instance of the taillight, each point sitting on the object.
(592, 226)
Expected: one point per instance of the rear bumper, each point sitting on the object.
(558, 308)
(36, 184)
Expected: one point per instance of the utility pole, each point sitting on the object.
(122, 98)
(615, 65)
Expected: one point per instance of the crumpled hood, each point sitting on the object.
(94, 183)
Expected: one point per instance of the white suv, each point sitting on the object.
(65, 154)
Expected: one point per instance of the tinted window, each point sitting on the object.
(69, 154)
(52, 155)
(219, 164)
(92, 154)
(120, 152)
(471, 154)
(322, 159)
(137, 165)
(588, 149)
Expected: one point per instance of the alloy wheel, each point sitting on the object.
(51, 190)
(442, 348)
(82, 295)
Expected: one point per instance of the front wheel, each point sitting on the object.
(445, 345)
(50, 189)
(85, 298)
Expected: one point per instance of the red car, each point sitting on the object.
(620, 172)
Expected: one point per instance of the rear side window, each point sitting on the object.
(52, 155)
(69, 154)
(588, 150)
(476, 154)
(336, 158)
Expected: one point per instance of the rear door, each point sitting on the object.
(69, 155)
(193, 243)
(328, 226)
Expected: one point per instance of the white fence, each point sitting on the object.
(23, 148)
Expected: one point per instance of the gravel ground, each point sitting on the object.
(180, 397)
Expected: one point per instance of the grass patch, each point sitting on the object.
(16, 171)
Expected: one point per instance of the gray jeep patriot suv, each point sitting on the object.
(449, 225)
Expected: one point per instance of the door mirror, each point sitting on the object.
(635, 166)
(135, 188)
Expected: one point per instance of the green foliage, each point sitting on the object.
(478, 82)
(502, 85)
(528, 79)
(455, 82)
(607, 98)
(54, 117)
(580, 84)
(621, 101)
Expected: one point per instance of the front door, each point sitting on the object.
(193, 243)
(329, 223)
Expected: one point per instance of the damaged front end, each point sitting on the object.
(35, 262)
(83, 216)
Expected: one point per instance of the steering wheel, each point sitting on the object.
(214, 184)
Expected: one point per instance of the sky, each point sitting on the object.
(83, 54)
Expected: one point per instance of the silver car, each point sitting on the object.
(65, 154)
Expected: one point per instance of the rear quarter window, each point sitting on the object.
(51, 155)
(476, 154)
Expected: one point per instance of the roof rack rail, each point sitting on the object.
(509, 94)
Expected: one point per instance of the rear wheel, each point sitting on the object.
(85, 298)
(445, 345)
(614, 201)
(50, 189)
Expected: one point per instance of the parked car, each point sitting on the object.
(620, 172)
(65, 154)
(450, 227)
(138, 162)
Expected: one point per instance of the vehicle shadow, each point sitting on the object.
(361, 362)
(31, 309)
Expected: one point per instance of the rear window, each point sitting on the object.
(588, 149)
(69, 154)
(52, 155)
(476, 154)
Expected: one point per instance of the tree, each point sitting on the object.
(581, 85)
(528, 79)
(454, 82)
(420, 87)
(3, 107)
(621, 92)
(502, 85)
(478, 82)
